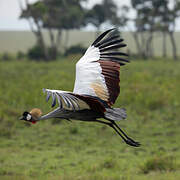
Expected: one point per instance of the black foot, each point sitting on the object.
(132, 143)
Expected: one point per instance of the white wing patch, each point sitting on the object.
(66, 100)
(89, 77)
(97, 74)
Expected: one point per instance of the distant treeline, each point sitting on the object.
(20, 42)
(152, 16)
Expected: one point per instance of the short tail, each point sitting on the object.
(115, 114)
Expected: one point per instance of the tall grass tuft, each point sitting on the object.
(159, 163)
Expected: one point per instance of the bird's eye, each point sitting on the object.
(28, 117)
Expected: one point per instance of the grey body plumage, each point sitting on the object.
(114, 114)
(83, 115)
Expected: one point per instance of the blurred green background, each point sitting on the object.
(55, 149)
(45, 57)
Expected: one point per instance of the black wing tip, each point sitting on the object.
(101, 36)
(112, 47)
(114, 53)
(109, 46)
(114, 59)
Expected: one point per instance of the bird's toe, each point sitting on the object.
(132, 143)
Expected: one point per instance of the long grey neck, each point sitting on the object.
(51, 114)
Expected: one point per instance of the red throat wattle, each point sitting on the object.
(33, 122)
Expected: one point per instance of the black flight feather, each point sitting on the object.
(101, 37)
(114, 58)
(107, 40)
(114, 54)
(110, 43)
(113, 47)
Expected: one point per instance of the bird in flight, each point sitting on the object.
(96, 88)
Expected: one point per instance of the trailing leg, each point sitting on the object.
(126, 139)
(129, 140)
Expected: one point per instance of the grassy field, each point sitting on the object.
(61, 150)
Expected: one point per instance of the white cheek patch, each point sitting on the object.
(28, 117)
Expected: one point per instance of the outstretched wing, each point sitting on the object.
(65, 100)
(97, 72)
(73, 102)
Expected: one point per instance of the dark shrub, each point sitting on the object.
(6, 57)
(35, 53)
(20, 55)
(76, 49)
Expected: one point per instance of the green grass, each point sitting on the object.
(61, 150)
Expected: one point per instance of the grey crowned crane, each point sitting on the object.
(96, 88)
